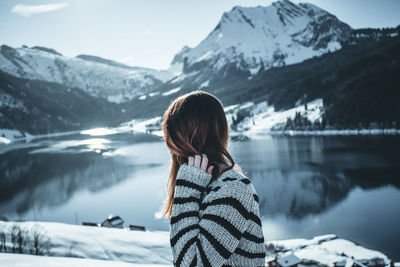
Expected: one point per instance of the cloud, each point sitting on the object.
(29, 10)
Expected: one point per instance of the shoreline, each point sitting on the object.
(338, 132)
(24, 136)
(241, 135)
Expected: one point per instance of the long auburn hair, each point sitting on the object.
(195, 123)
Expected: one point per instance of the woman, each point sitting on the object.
(212, 206)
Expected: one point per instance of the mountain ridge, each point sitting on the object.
(97, 76)
(333, 77)
(265, 36)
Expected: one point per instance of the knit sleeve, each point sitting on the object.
(209, 239)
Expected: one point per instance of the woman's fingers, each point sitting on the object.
(197, 161)
(190, 161)
(204, 162)
(210, 169)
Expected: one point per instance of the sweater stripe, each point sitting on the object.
(245, 181)
(233, 202)
(184, 200)
(181, 233)
(223, 223)
(189, 184)
(255, 197)
(254, 218)
(213, 189)
(184, 249)
(175, 219)
(203, 256)
(232, 229)
(250, 254)
(253, 238)
(194, 262)
(224, 252)
(228, 179)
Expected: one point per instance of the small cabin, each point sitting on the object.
(137, 227)
(113, 222)
(271, 262)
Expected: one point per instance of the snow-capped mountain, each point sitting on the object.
(254, 38)
(97, 76)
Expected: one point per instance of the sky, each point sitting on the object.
(148, 33)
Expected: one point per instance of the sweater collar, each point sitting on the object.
(234, 173)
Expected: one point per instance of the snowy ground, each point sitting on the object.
(327, 250)
(264, 117)
(8, 135)
(143, 125)
(117, 247)
(140, 247)
(20, 260)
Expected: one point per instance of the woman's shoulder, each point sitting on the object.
(234, 183)
(235, 176)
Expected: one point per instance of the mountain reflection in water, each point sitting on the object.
(297, 194)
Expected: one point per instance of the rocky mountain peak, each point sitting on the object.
(265, 36)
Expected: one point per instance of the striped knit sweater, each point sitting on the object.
(215, 223)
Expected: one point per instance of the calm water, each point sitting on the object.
(307, 186)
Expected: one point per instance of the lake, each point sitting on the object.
(308, 186)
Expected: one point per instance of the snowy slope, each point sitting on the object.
(263, 37)
(262, 118)
(113, 247)
(97, 76)
(148, 247)
(19, 260)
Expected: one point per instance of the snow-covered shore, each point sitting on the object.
(259, 120)
(23, 260)
(263, 120)
(141, 247)
(8, 136)
(335, 132)
(96, 246)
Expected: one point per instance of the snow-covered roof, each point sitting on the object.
(288, 260)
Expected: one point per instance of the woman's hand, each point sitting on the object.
(200, 162)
